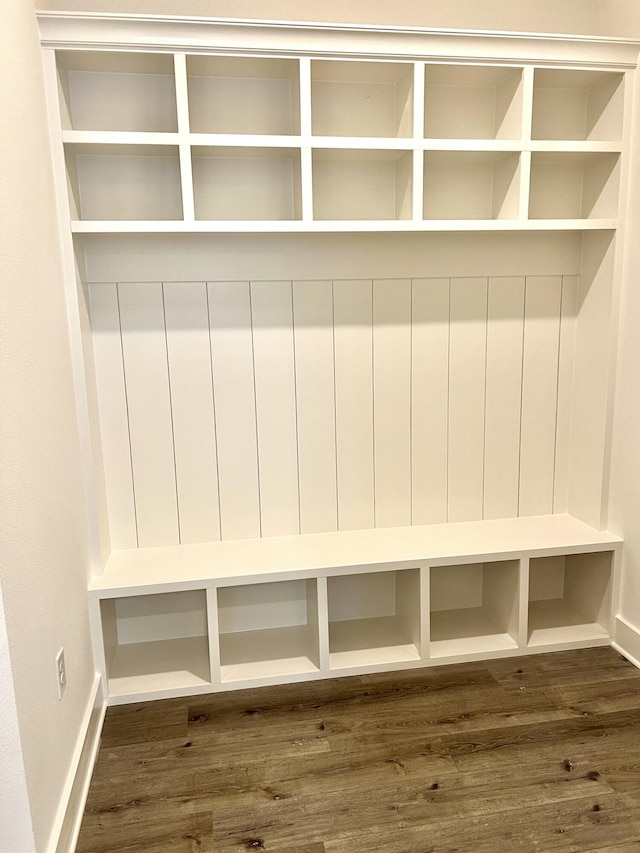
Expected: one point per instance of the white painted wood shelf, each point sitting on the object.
(287, 608)
(343, 319)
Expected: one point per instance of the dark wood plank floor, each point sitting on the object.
(527, 754)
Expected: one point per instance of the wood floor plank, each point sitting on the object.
(571, 826)
(529, 755)
(316, 699)
(400, 804)
(187, 834)
(599, 665)
(602, 697)
(585, 732)
(370, 763)
(144, 725)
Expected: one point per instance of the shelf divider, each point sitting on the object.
(323, 624)
(306, 167)
(214, 635)
(418, 138)
(184, 148)
(523, 603)
(527, 102)
(525, 185)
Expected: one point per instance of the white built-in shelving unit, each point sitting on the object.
(204, 141)
(343, 311)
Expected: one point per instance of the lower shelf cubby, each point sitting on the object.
(374, 618)
(124, 182)
(571, 185)
(570, 598)
(268, 629)
(156, 642)
(474, 608)
(246, 183)
(351, 184)
(471, 185)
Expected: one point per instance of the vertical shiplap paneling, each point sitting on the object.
(539, 394)
(353, 348)
(187, 324)
(468, 340)
(568, 313)
(392, 401)
(429, 399)
(272, 313)
(235, 407)
(315, 394)
(114, 419)
(144, 347)
(505, 329)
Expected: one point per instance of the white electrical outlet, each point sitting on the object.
(61, 673)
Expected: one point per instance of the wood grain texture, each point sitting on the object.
(537, 753)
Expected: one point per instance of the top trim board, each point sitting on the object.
(168, 34)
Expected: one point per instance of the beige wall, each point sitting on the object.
(44, 561)
(592, 17)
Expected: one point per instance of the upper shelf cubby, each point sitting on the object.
(351, 98)
(472, 102)
(252, 95)
(117, 91)
(584, 105)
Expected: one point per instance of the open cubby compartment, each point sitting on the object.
(268, 629)
(124, 182)
(570, 598)
(359, 184)
(156, 642)
(374, 618)
(117, 91)
(472, 102)
(573, 104)
(474, 608)
(471, 185)
(355, 98)
(243, 94)
(246, 183)
(571, 185)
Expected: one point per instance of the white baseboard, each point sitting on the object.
(66, 829)
(626, 640)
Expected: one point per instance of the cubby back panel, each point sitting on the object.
(240, 409)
